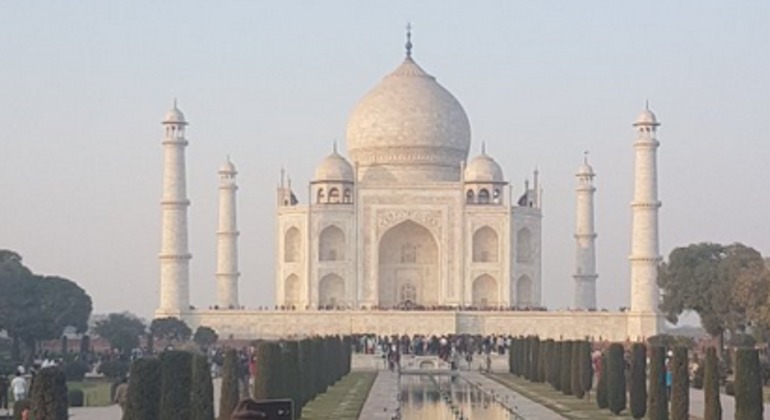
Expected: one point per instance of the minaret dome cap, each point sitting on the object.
(334, 168)
(483, 168)
(646, 117)
(174, 116)
(227, 168)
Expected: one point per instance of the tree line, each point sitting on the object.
(626, 384)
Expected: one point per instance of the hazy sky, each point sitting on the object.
(84, 86)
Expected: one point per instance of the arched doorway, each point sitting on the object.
(485, 291)
(408, 266)
(485, 245)
(331, 291)
(291, 291)
(291, 245)
(331, 244)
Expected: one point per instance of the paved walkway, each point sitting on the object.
(382, 402)
(524, 407)
(697, 397)
(96, 413)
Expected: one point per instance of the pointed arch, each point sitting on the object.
(524, 250)
(485, 245)
(408, 266)
(331, 244)
(291, 245)
(483, 196)
(524, 291)
(485, 291)
(331, 291)
(291, 291)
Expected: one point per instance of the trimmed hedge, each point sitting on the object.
(202, 392)
(657, 399)
(602, 400)
(175, 384)
(713, 406)
(144, 390)
(616, 379)
(566, 368)
(586, 367)
(575, 382)
(748, 385)
(680, 385)
(75, 398)
(49, 395)
(230, 396)
(638, 382)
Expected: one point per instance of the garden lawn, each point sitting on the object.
(96, 392)
(343, 400)
(567, 405)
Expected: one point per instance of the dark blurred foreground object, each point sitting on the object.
(249, 409)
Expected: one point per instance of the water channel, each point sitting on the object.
(441, 397)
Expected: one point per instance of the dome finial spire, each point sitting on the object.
(483, 147)
(334, 146)
(647, 104)
(585, 157)
(408, 40)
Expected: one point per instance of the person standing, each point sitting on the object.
(121, 394)
(19, 387)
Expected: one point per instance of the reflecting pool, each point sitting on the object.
(440, 397)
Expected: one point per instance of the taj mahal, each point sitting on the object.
(406, 233)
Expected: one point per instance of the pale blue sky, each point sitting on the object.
(83, 86)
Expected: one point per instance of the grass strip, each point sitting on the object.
(343, 400)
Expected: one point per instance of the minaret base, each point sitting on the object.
(643, 325)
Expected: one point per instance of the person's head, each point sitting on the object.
(247, 409)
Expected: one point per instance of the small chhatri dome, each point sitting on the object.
(585, 168)
(174, 116)
(409, 128)
(334, 168)
(646, 117)
(483, 169)
(227, 167)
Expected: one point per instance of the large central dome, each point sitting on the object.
(408, 128)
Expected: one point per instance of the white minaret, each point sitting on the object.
(174, 252)
(644, 234)
(227, 239)
(585, 237)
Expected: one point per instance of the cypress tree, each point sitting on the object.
(49, 395)
(511, 353)
(306, 371)
(748, 385)
(638, 382)
(293, 377)
(525, 353)
(534, 374)
(546, 362)
(542, 361)
(602, 400)
(616, 378)
(267, 374)
(566, 368)
(575, 380)
(586, 367)
(680, 385)
(143, 390)
(556, 365)
(175, 384)
(202, 392)
(230, 395)
(657, 404)
(85, 344)
(713, 406)
(319, 363)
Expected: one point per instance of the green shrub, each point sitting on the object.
(75, 398)
(586, 367)
(175, 384)
(748, 385)
(230, 396)
(680, 385)
(566, 368)
(713, 406)
(49, 395)
(555, 368)
(290, 357)
(638, 382)
(144, 390)
(75, 370)
(575, 382)
(305, 350)
(616, 379)
(267, 375)
(202, 389)
(601, 388)
(657, 404)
